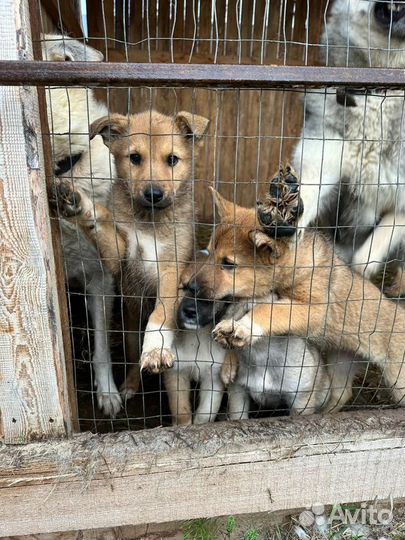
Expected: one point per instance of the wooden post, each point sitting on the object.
(33, 390)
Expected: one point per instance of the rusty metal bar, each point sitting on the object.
(195, 75)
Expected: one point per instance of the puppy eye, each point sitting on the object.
(136, 159)
(172, 160)
(228, 265)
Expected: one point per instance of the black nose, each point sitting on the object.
(153, 195)
(187, 314)
(189, 310)
(192, 286)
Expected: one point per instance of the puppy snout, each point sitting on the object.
(153, 195)
(189, 310)
(187, 314)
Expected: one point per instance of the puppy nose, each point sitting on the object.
(189, 310)
(192, 286)
(153, 194)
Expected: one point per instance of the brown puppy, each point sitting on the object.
(320, 298)
(151, 207)
(198, 358)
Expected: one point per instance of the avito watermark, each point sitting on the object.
(346, 514)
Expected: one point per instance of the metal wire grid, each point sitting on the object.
(237, 155)
(284, 32)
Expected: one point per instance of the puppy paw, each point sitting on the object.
(68, 201)
(130, 386)
(282, 206)
(232, 334)
(127, 392)
(73, 204)
(397, 287)
(109, 403)
(157, 360)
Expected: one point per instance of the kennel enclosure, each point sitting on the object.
(54, 479)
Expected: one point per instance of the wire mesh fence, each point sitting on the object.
(166, 277)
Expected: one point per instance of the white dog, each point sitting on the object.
(198, 358)
(352, 148)
(91, 168)
(280, 368)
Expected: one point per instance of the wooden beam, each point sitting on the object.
(48, 170)
(33, 390)
(164, 475)
(195, 75)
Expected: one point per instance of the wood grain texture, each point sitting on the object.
(36, 18)
(164, 475)
(33, 403)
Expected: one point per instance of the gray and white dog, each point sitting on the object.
(351, 154)
(91, 168)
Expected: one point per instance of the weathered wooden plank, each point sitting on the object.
(48, 170)
(165, 475)
(195, 75)
(33, 394)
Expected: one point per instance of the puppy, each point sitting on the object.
(90, 168)
(286, 368)
(319, 297)
(151, 208)
(350, 155)
(271, 369)
(197, 357)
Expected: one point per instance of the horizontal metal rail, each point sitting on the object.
(194, 75)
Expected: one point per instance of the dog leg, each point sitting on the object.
(279, 318)
(178, 392)
(77, 206)
(229, 369)
(385, 238)
(132, 349)
(342, 371)
(319, 166)
(238, 402)
(96, 222)
(101, 293)
(310, 393)
(210, 398)
(159, 333)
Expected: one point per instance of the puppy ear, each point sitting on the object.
(262, 241)
(58, 48)
(191, 125)
(112, 128)
(225, 208)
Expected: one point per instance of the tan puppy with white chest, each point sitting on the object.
(151, 206)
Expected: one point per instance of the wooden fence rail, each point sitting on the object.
(175, 474)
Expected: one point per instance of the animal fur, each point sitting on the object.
(197, 357)
(271, 368)
(320, 298)
(350, 157)
(70, 112)
(147, 246)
